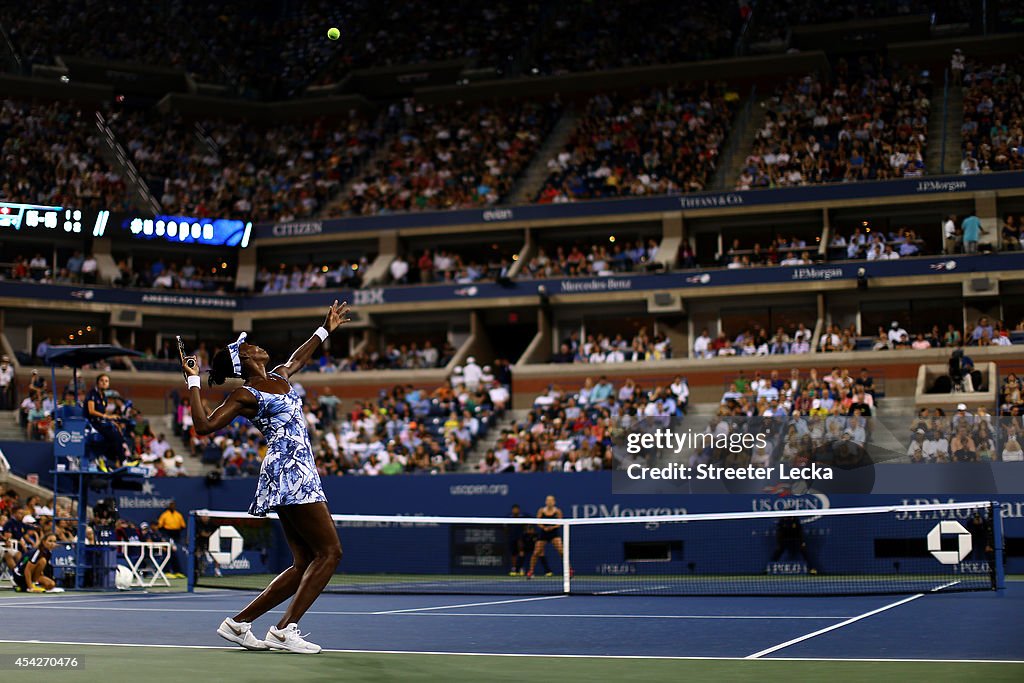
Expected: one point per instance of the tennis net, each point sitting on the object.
(843, 551)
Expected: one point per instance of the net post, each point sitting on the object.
(566, 563)
(998, 573)
(190, 554)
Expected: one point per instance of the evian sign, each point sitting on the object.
(498, 215)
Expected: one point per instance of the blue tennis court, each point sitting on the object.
(968, 628)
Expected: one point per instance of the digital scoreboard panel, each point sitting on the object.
(37, 219)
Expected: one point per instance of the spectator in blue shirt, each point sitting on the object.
(602, 390)
(972, 230)
(982, 329)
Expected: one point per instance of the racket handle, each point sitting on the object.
(191, 363)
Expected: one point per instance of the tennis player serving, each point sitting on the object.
(288, 483)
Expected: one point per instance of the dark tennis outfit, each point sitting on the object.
(18, 574)
(544, 535)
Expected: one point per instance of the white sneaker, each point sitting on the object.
(240, 632)
(55, 589)
(289, 638)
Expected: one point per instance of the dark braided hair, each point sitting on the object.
(221, 368)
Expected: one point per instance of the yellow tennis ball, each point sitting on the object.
(333, 33)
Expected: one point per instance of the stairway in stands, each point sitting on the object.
(532, 180)
(480, 448)
(10, 430)
(945, 159)
(890, 433)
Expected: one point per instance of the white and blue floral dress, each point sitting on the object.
(288, 475)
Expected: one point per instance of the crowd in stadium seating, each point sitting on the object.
(51, 156)
(664, 142)
(984, 333)
(280, 171)
(411, 356)
(601, 348)
(446, 265)
(773, 19)
(794, 340)
(451, 157)
(298, 279)
(877, 245)
(405, 430)
(392, 32)
(595, 36)
(203, 40)
(993, 126)
(778, 395)
(870, 122)
(781, 251)
(591, 260)
(1012, 232)
(571, 431)
(965, 436)
(188, 276)
(505, 37)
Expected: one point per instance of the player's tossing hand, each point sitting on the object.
(336, 315)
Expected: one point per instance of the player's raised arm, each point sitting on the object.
(238, 402)
(337, 315)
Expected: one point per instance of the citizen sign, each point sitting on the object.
(295, 229)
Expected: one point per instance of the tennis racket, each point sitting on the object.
(181, 350)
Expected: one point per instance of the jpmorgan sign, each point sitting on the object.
(963, 540)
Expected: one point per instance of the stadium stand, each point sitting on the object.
(256, 172)
(869, 123)
(992, 138)
(774, 19)
(51, 155)
(633, 33)
(664, 142)
(452, 157)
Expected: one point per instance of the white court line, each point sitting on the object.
(534, 655)
(470, 604)
(632, 590)
(439, 613)
(945, 585)
(833, 627)
(54, 600)
(515, 615)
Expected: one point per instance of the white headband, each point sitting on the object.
(236, 362)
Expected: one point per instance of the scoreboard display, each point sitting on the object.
(40, 218)
(36, 219)
(479, 549)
